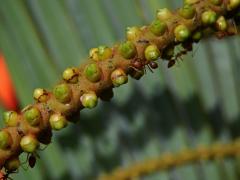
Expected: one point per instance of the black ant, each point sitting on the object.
(139, 65)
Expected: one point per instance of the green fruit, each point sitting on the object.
(58, 122)
(221, 24)
(5, 139)
(104, 53)
(29, 143)
(119, 77)
(89, 100)
(182, 33)
(133, 33)
(62, 93)
(40, 95)
(70, 75)
(92, 72)
(152, 53)
(187, 11)
(209, 17)
(158, 27)
(10, 118)
(128, 50)
(233, 4)
(32, 116)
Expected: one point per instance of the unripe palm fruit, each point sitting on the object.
(164, 14)
(62, 93)
(92, 72)
(128, 50)
(233, 4)
(89, 100)
(216, 2)
(5, 139)
(70, 75)
(93, 54)
(58, 122)
(10, 118)
(133, 33)
(187, 11)
(221, 24)
(158, 27)
(181, 33)
(152, 53)
(209, 17)
(119, 77)
(32, 116)
(29, 143)
(12, 164)
(104, 53)
(40, 95)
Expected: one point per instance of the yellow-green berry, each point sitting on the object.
(93, 54)
(10, 118)
(32, 116)
(128, 50)
(29, 143)
(5, 139)
(12, 164)
(58, 121)
(40, 95)
(70, 75)
(158, 27)
(164, 14)
(216, 2)
(89, 100)
(209, 17)
(133, 33)
(119, 77)
(92, 72)
(221, 24)
(187, 11)
(197, 36)
(104, 53)
(152, 53)
(182, 33)
(62, 93)
(233, 4)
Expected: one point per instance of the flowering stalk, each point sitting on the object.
(106, 68)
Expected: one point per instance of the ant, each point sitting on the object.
(139, 64)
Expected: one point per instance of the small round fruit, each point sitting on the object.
(119, 77)
(29, 143)
(5, 139)
(10, 118)
(104, 53)
(58, 121)
(164, 14)
(133, 33)
(32, 116)
(187, 11)
(158, 27)
(70, 75)
(182, 33)
(40, 95)
(152, 53)
(209, 17)
(62, 93)
(128, 50)
(92, 72)
(89, 100)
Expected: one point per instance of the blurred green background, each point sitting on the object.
(196, 102)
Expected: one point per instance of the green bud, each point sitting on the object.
(89, 100)
(40, 95)
(119, 77)
(187, 11)
(197, 36)
(209, 17)
(12, 164)
(32, 116)
(133, 33)
(5, 139)
(10, 118)
(93, 54)
(62, 93)
(29, 143)
(182, 33)
(158, 27)
(58, 122)
(104, 53)
(152, 53)
(128, 50)
(164, 14)
(70, 75)
(221, 24)
(92, 72)
(233, 4)
(216, 2)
